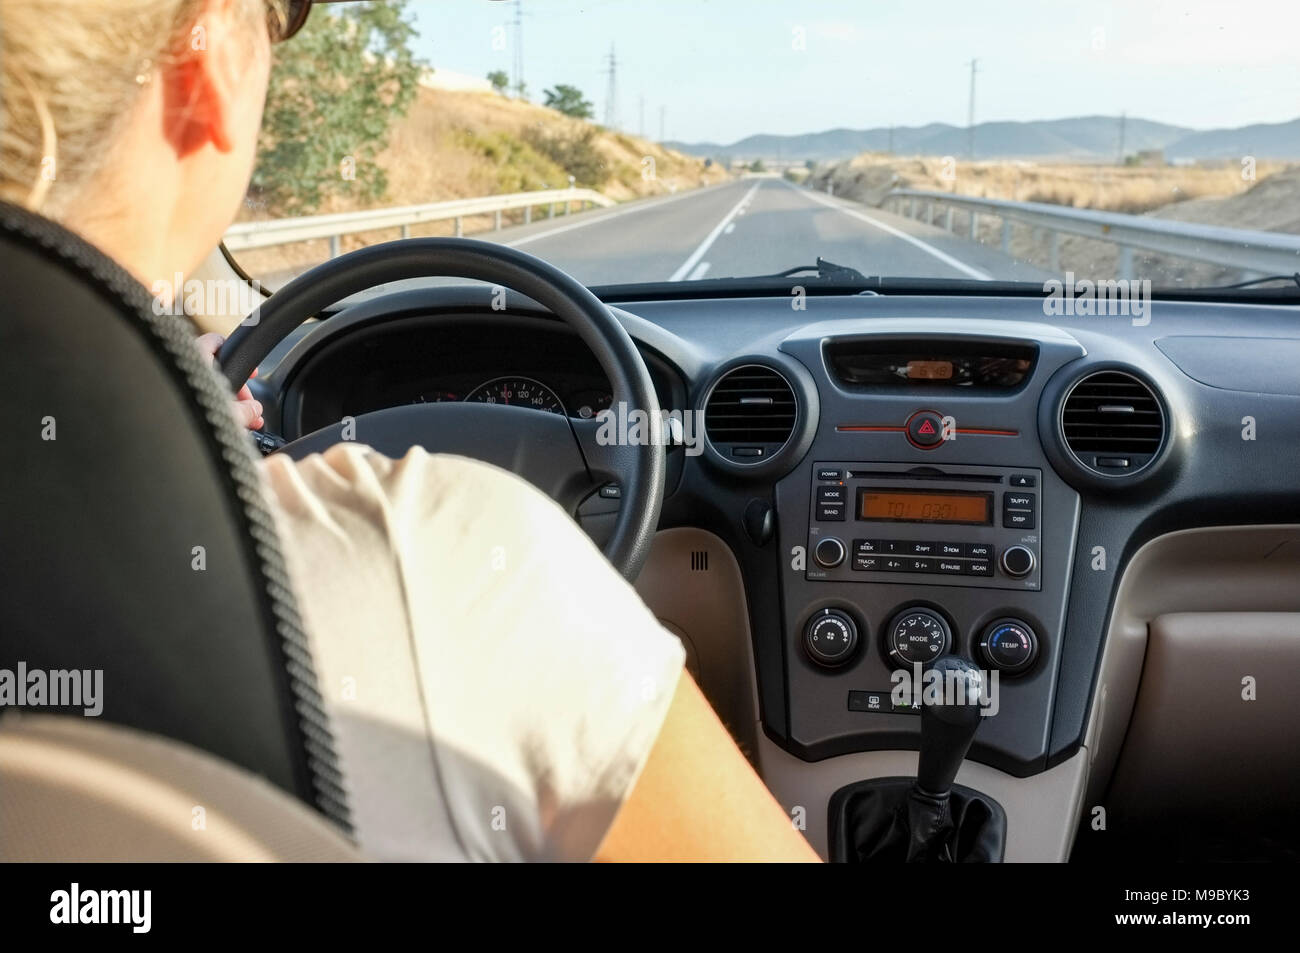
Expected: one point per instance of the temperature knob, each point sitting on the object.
(1009, 645)
(916, 636)
(830, 637)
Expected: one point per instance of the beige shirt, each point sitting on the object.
(494, 685)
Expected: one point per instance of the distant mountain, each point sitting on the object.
(1263, 141)
(1081, 138)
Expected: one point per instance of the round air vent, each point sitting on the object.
(1113, 423)
(750, 414)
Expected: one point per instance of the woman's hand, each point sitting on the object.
(248, 410)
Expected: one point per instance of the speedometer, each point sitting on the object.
(517, 392)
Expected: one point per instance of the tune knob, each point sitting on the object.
(1017, 561)
(1009, 645)
(829, 552)
(830, 637)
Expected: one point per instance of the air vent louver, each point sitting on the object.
(750, 414)
(1112, 422)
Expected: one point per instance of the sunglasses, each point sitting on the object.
(283, 27)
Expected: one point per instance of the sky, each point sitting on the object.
(721, 70)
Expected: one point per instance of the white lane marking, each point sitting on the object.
(595, 219)
(696, 255)
(910, 239)
(729, 229)
(699, 271)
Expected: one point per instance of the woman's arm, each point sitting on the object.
(697, 798)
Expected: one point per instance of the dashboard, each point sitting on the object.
(936, 474)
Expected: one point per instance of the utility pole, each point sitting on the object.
(970, 112)
(519, 48)
(1122, 118)
(663, 123)
(641, 124)
(611, 91)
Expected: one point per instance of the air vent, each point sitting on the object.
(1113, 423)
(750, 414)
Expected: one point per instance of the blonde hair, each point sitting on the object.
(70, 71)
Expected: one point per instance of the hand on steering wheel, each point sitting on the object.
(561, 456)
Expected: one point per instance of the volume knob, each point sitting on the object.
(829, 552)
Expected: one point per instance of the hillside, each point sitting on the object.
(464, 144)
(1081, 139)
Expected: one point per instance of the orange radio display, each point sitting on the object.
(909, 506)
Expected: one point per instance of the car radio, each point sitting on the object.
(934, 525)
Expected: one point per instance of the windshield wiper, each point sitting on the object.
(825, 271)
(1293, 278)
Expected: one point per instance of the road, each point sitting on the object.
(750, 227)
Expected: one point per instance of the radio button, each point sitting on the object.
(830, 512)
(1019, 501)
(830, 494)
(920, 565)
(868, 563)
(952, 549)
(952, 566)
(1018, 519)
(893, 565)
(921, 548)
(1022, 479)
(979, 550)
(830, 473)
(980, 567)
(893, 546)
(863, 547)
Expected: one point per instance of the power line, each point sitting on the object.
(611, 91)
(970, 112)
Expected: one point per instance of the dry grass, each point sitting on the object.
(1129, 189)
(466, 144)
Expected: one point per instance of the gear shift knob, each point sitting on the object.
(948, 729)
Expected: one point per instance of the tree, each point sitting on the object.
(568, 100)
(499, 80)
(335, 90)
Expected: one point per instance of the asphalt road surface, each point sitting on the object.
(751, 227)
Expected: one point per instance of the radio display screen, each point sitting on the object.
(913, 506)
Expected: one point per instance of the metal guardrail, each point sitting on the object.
(1256, 253)
(285, 231)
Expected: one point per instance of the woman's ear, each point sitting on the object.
(204, 81)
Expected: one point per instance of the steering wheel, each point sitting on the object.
(563, 457)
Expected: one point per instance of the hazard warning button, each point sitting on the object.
(925, 429)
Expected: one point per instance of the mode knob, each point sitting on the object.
(830, 637)
(829, 552)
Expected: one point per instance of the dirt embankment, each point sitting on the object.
(1211, 194)
(454, 144)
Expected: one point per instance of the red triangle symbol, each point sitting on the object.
(926, 428)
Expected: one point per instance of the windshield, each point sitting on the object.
(627, 143)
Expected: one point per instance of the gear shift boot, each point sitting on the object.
(887, 820)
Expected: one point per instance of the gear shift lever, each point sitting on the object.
(947, 730)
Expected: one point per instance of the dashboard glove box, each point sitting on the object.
(880, 822)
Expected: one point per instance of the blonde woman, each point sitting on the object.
(119, 126)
